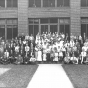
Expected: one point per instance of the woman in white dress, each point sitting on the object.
(39, 57)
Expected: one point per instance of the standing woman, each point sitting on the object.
(39, 58)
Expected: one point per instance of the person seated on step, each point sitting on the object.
(67, 58)
(19, 60)
(5, 59)
(74, 59)
(61, 56)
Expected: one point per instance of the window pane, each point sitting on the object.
(31, 21)
(15, 21)
(67, 30)
(9, 32)
(15, 31)
(44, 20)
(83, 3)
(9, 21)
(30, 29)
(9, 3)
(45, 3)
(53, 20)
(36, 30)
(59, 3)
(87, 31)
(61, 21)
(2, 22)
(66, 21)
(62, 29)
(38, 3)
(51, 3)
(44, 28)
(53, 28)
(83, 29)
(2, 3)
(15, 3)
(84, 20)
(36, 21)
(31, 3)
(2, 31)
(66, 3)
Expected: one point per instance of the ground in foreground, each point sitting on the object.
(18, 76)
(78, 75)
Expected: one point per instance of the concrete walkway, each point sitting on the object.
(50, 76)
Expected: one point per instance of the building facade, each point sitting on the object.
(33, 16)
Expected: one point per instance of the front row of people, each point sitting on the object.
(42, 56)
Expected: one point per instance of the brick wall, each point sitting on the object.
(84, 12)
(48, 12)
(75, 17)
(23, 13)
(8, 13)
(23, 16)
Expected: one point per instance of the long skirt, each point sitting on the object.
(44, 57)
(39, 57)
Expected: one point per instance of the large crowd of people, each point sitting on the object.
(46, 47)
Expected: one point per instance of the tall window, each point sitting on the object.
(12, 28)
(84, 3)
(33, 27)
(2, 28)
(12, 3)
(65, 26)
(2, 3)
(49, 25)
(63, 3)
(48, 3)
(34, 3)
(84, 26)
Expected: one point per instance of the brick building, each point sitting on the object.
(33, 16)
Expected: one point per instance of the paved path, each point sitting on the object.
(50, 76)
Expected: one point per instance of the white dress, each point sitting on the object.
(56, 57)
(44, 55)
(39, 58)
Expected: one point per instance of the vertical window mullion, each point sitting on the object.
(11, 3)
(55, 3)
(63, 3)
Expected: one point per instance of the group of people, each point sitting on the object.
(46, 47)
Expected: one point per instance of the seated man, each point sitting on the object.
(19, 60)
(5, 59)
(67, 58)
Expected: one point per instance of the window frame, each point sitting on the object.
(48, 4)
(11, 4)
(63, 4)
(4, 4)
(34, 4)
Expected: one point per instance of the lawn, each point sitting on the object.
(78, 74)
(18, 76)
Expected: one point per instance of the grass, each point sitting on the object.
(18, 77)
(78, 74)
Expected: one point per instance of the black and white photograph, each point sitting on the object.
(43, 43)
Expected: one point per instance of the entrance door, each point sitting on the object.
(53, 28)
(44, 28)
(2, 31)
